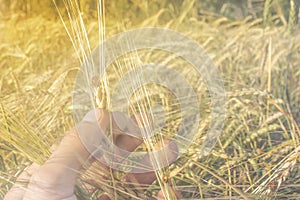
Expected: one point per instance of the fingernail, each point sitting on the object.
(92, 116)
(104, 197)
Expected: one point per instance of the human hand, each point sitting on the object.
(56, 178)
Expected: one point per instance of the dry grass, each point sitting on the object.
(257, 155)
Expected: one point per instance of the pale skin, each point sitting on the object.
(55, 179)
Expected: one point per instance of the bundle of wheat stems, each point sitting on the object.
(141, 101)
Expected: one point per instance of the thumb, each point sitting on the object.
(56, 178)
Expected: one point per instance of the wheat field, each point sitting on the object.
(257, 155)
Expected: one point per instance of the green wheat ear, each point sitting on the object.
(292, 16)
(266, 13)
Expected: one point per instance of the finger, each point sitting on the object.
(18, 190)
(121, 124)
(104, 197)
(164, 156)
(173, 194)
(127, 130)
(127, 142)
(141, 122)
(126, 134)
(92, 130)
